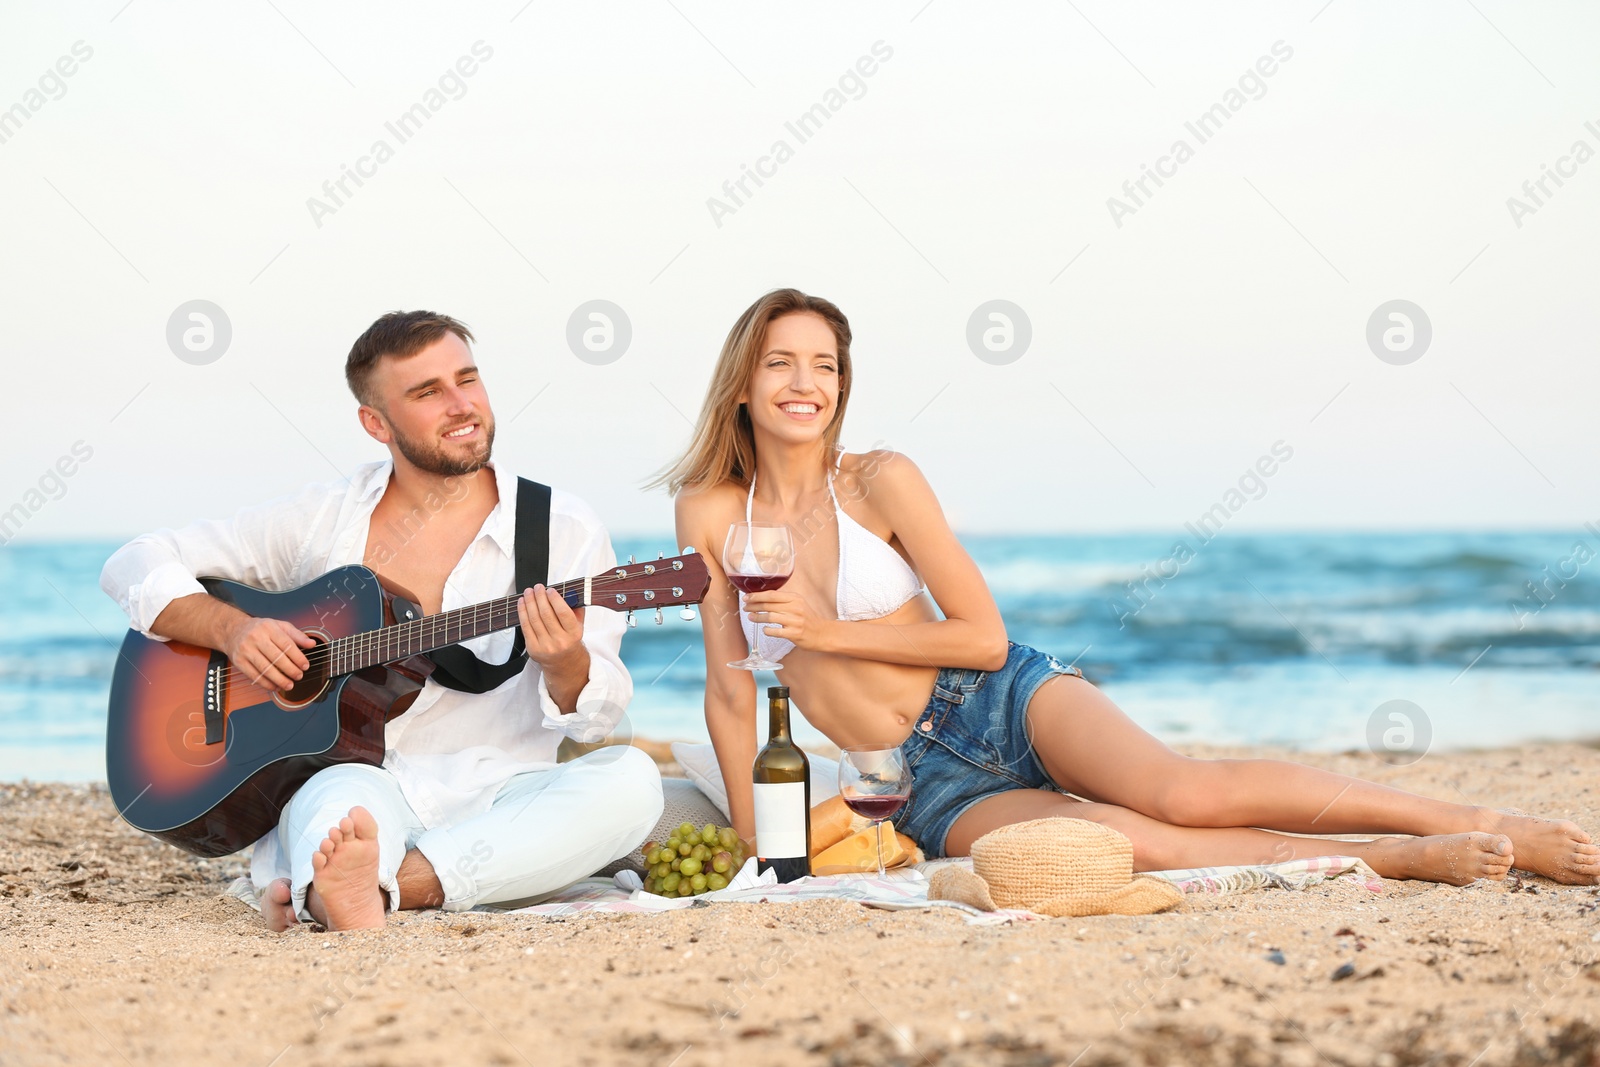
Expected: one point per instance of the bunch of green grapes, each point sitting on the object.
(693, 860)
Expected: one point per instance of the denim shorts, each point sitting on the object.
(971, 743)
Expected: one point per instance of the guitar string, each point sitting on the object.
(248, 690)
(373, 641)
(380, 643)
(376, 642)
(482, 613)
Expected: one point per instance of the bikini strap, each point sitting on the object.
(749, 501)
(838, 464)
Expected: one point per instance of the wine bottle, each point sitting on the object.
(782, 780)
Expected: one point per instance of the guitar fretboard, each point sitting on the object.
(419, 636)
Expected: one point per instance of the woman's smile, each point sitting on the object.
(800, 410)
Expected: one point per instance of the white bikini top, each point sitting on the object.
(874, 580)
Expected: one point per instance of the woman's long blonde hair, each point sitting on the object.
(723, 447)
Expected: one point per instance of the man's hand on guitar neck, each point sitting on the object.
(553, 635)
(266, 650)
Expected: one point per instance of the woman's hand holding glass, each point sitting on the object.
(787, 609)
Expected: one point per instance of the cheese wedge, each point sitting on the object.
(857, 854)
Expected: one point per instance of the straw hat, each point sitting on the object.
(1057, 867)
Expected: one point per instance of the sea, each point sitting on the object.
(1401, 643)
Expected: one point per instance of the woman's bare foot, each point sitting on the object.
(277, 906)
(346, 874)
(1557, 849)
(1455, 859)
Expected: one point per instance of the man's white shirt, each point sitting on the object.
(451, 751)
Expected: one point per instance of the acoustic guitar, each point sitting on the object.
(200, 756)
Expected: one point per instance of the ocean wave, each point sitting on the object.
(1464, 561)
(1033, 577)
(1258, 633)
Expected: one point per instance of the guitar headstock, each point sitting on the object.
(656, 583)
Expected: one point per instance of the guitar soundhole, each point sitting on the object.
(315, 682)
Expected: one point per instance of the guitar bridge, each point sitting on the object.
(213, 697)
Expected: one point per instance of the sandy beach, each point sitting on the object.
(118, 948)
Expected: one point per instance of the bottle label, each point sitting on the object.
(780, 820)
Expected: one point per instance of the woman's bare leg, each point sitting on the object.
(1455, 858)
(1091, 748)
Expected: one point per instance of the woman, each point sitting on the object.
(995, 733)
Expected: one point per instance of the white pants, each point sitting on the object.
(546, 829)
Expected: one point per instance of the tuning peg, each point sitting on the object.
(661, 555)
(630, 558)
(687, 614)
(687, 550)
(658, 616)
(632, 622)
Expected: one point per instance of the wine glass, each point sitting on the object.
(875, 781)
(758, 556)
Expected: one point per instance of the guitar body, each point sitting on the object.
(203, 758)
(217, 798)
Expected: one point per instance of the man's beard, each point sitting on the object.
(429, 455)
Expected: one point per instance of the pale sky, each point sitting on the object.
(575, 162)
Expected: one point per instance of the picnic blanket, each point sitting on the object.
(902, 889)
(908, 889)
(1294, 874)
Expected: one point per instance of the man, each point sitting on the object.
(470, 805)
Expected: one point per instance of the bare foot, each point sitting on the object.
(1557, 849)
(277, 906)
(1455, 859)
(346, 873)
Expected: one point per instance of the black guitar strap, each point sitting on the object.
(455, 667)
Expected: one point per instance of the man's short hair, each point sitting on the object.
(399, 334)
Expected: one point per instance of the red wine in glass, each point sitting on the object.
(874, 782)
(757, 583)
(757, 557)
(876, 807)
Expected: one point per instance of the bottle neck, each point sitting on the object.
(778, 721)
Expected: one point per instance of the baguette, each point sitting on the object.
(857, 854)
(831, 822)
